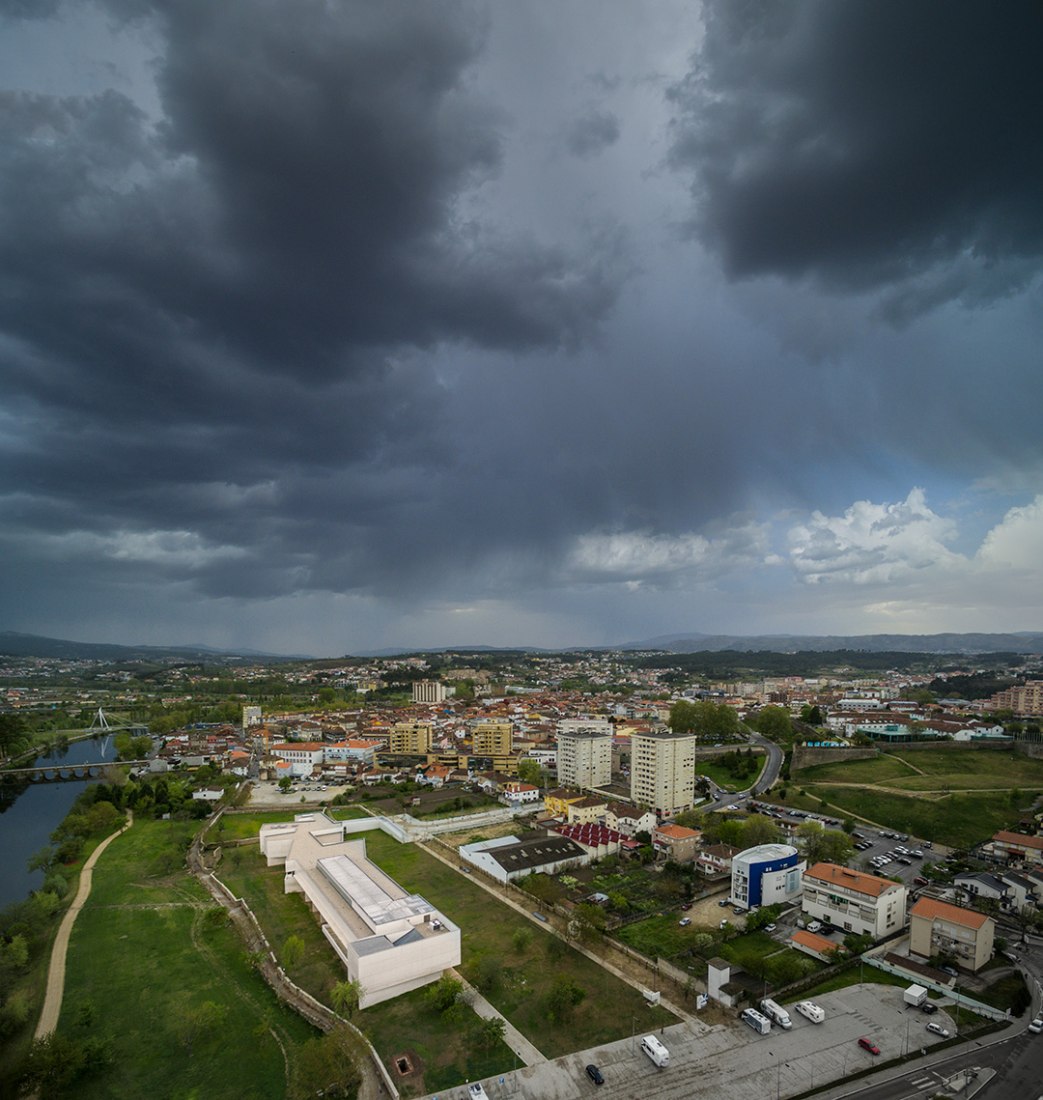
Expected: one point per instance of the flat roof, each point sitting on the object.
(368, 896)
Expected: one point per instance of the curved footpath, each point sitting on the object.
(52, 1002)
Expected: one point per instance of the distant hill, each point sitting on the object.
(14, 644)
(1025, 642)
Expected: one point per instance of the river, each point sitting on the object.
(27, 823)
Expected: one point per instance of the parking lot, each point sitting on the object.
(730, 1061)
(265, 793)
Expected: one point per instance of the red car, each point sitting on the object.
(868, 1044)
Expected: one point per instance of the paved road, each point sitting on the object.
(52, 1002)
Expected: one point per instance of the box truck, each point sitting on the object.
(776, 1013)
(656, 1051)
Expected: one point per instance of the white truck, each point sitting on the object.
(656, 1051)
(813, 1012)
(752, 1018)
(776, 1013)
(915, 995)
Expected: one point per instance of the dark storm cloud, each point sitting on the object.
(867, 144)
(209, 320)
(592, 133)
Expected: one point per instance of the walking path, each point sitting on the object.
(525, 1050)
(52, 1002)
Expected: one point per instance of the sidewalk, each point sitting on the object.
(525, 1050)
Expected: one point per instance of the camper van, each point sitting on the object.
(752, 1018)
(776, 1013)
(656, 1051)
(808, 1008)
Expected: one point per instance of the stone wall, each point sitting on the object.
(804, 757)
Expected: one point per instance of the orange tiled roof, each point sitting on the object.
(933, 909)
(857, 881)
(1019, 839)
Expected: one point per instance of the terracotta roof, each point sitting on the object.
(677, 832)
(1019, 839)
(933, 909)
(856, 881)
(821, 944)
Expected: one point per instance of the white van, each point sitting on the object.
(808, 1008)
(752, 1018)
(656, 1051)
(776, 1013)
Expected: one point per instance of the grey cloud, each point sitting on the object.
(868, 144)
(592, 133)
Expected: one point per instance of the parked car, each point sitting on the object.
(684, 922)
(868, 1044)
(950, 970)
(476, 1092)
(1037, 1025)
(937, 1029)
(929, 1007)
(770, 927)
(595, 1074)
(723, 903)
(815, 926)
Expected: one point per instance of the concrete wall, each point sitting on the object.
(804, 757)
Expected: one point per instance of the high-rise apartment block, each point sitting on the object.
(428, 691)
(1024, 699)
(662, 771)
(584, 754)
(492, 738)
(251, 716)
(413, 738)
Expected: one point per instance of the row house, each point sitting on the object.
(586, 811)
(1015, 848)
(628, 819)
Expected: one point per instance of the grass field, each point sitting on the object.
(157, 969)
(528, 971)
(956, 797)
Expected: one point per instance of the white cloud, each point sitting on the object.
(179, 549)
(1017, 541)
(873, 543)
(640, 557)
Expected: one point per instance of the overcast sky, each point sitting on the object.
(330, 326)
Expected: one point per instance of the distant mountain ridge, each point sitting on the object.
(15, 644)
(1021, 642)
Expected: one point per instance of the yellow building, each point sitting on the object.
(492, 738)
(413, 738)
(558, 801)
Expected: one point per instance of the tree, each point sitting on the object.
(758, 829)
(521, 939)
(684, 717)
(488, 973)
(811, 715)
(529, 771)
(327, 1066)
(292, 951)
(773, 722)
(285, 783)
(444, 994)
(588, 922)
(821, 845)
(345, 996)
(55, 1062)
(562, 999)
(489, 1032)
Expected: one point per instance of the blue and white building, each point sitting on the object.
(767, 875)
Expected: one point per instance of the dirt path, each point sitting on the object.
(52, 1002)
(902, 760)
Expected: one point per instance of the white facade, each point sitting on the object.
(429, 691)
(856, 902)
(303, 757)
(251, 717)
(584, 755)
(662, 771)
(768, 874)
(389, 941)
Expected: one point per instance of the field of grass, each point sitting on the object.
(661, 936)
(528, 966)
(157, 970)
(962, 797)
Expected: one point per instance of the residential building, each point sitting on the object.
(352, 751)
(629, 820)
(411, 738)
(863, 904)
(389, 941)
(586, 811)
(980, 884)
(251, 716)
(675, 842)
(429, 691)
(938, 928)
(596, 840)
(662, 771)
(584, 756)
(767, 874)
(716, 859)
(1015, 847)
(517, 793)
(559, 800)
(303, 757)
(492, 738)
(1022, 699)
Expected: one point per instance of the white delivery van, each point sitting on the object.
(752, 1018)
(776, 1013)
(656, 1051)
(808, 1008)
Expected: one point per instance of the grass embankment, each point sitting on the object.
(157, 970)
(726, 777)
(956, 797)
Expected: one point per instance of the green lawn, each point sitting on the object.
(158, 971)
(661, 936)
(528, 972)
(724, 778)
(878, 770)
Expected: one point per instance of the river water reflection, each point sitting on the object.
(26, 823)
